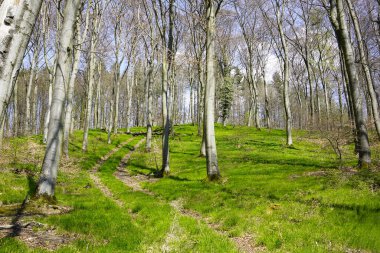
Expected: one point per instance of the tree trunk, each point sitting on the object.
(211, 152)
(288, 114)
(129, 100)
(110, 123)
(338, 20)
(15, 111)
(35, 108)
(47, 115)
(28, 119)
(2, 124)
(165, 169)
(90, 90)
(70, 90)
(98, 107)
(48, 177)
(266, 97)
(17, 22)
(69, 105)
(149, 106)
(116, 110)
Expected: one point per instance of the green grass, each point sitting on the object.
(267, 190)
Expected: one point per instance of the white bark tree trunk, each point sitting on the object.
(33, 70)
(211, 153)
(91, 75)
(288, 114)
(70, 90)
(48, 177)
(149, 107)
(17, 22)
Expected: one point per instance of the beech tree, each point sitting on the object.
(17, 23)
(212, 8)
(48, 177)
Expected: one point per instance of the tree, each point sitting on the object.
(167, 57)
(17, 23)
(209, 129)
(48, 176)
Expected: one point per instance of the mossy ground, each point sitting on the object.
(289, 199)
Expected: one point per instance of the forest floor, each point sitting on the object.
(271, 198)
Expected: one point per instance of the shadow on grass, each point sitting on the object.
(16, 226)
(181, 179)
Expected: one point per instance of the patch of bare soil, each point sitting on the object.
(245, 243)
(320, 173)
(17, 221)
(37, 235)
(32, 209)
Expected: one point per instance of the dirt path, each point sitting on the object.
(133, 181)
(244, 243)
(104, 189)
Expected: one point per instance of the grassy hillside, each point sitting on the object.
(271, 198)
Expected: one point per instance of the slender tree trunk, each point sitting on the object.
(69, 105)
(90, 91)
(165, 116)
(257, 108)
(201, 100)
(50, 164)
(2, 124)
(250, 111)
(338, 20)
(98, 106)
(28, 119)
(70, 90)
(191, 106)
(266, 98)
(309, 75)
(288, 114)
(47, 114)
(15, 104)
(129, 100)
(149, 106)
(117, 99)
(211, 152)
(35, 108)
(17, 22)
(110, 123)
